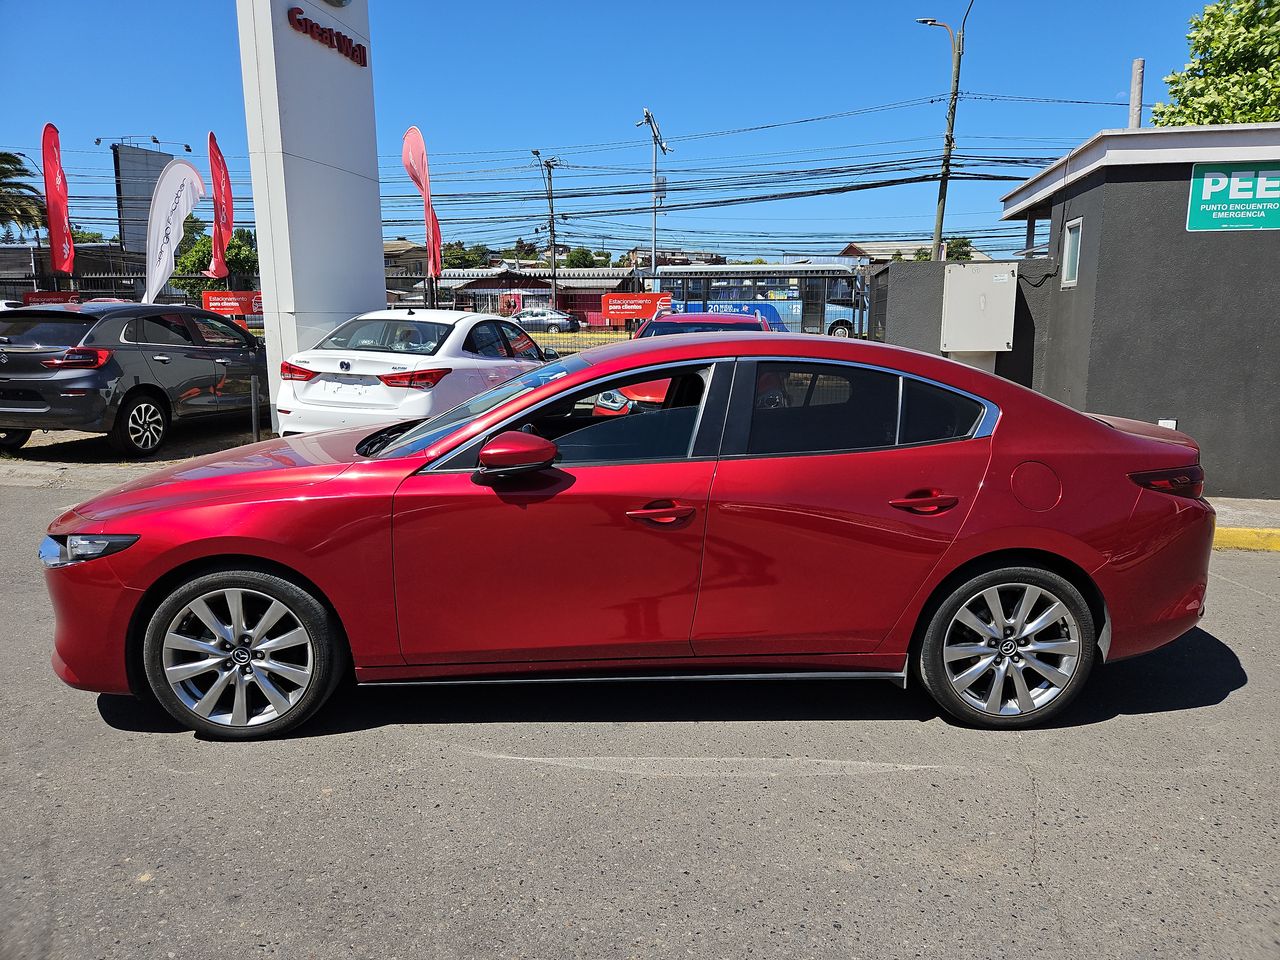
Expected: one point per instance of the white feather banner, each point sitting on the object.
(177, 192)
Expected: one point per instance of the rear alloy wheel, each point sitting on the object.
(553, 328)
(13, 439)
(141, 426)
(1010, 648)
(242, 654)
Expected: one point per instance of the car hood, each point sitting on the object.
(273, 465)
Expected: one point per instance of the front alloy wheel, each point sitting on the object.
(1009, 648)
(241, 654)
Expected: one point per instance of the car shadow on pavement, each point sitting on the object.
(1195, 671)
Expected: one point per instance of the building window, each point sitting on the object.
(1071, 252)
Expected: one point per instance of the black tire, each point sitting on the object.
(553, 328)
(11, 439)
(841, 330)
(325, 657)
(944, 631)
(141, 426)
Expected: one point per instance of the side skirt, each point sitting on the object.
(898, 679)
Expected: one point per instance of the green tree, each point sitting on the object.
(897, 257)
(922, 253)
(8, 236)
(602, 258)
(193, 229)
(79, 235)
(579, 257)
(1234, 73)
(959, 248)
(242, 262)
(20, 202)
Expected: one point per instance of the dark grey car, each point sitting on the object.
(124, 369)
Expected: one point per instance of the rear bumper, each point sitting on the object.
(71, 403)
(303, 417)
(1156, 591)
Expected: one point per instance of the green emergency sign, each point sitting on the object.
(1235, 196)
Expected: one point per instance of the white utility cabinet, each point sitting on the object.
(978, 298)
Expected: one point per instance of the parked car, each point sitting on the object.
(400, 365)
(546, 320)
(796, 505)
(124, 369)
(669, 323)
(10, 304)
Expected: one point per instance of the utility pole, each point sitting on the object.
(1135, 93)
(957, 53)
(548, 166)
(658, 144)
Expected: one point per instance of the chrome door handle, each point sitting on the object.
(161, 357)
(222, 360)
(662, 512)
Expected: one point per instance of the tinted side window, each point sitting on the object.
(522, 344)
(814, 407)
(485, 340)
(217, 333)
(169, 329)
(930, 413)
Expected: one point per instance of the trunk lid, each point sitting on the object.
(356, 384)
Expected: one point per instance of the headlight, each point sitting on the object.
(78, 547)
(612, 400)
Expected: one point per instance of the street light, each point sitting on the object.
(957, 53)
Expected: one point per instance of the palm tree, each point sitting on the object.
(20, 202)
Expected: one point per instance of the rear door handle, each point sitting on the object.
(662, 512)
(925, 502)
(161, 357)
(222, 360)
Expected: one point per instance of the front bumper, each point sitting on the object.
(92, 613)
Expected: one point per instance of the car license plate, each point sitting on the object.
(344, 387)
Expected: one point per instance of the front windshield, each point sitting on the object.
(662, 328)
(419, 337)
(429, 431)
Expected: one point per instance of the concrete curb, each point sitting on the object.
(1246, 538)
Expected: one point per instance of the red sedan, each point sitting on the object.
(799, 505)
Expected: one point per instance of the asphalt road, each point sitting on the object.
(762, 819)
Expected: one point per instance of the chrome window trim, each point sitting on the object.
(479, 438)
(986, 424)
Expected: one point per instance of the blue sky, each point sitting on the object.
(486, 82)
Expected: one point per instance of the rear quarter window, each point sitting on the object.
(930, 413)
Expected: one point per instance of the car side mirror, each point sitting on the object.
(550, 353)
(514, 452)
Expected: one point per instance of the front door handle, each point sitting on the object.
(161, 358)
(222, 360)
(925, 502)
(662, 512)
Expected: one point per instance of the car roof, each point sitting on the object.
(704, 317)
(420, 315)
(104, 310)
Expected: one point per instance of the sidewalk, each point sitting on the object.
(1247, 524)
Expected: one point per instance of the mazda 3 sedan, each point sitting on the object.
(798, 505)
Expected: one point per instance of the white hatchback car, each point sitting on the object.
(400, 365)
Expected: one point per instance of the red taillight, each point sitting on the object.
(79, 358)
(1180, 481)
(291, 371)
(414, 379)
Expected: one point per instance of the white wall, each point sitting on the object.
(313, 155)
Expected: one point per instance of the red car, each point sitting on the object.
(669, 323)
(798, 505)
